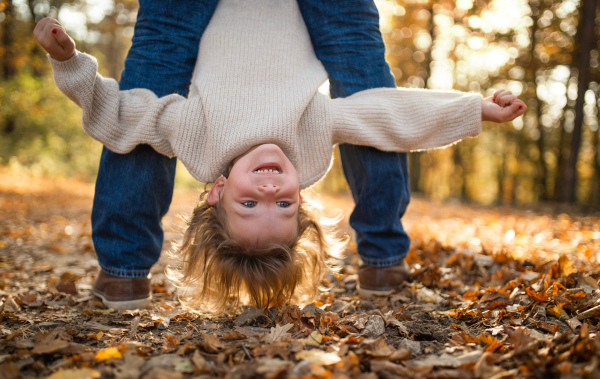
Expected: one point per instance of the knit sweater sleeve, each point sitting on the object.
(401, 119)
(120, 120)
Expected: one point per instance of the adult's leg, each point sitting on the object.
(134, 190)
(347, 40)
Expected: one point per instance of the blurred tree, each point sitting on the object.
(526, 46)
(587, 41)
(40, 128)
(531, 47)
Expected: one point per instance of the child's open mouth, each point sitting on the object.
(268, 168)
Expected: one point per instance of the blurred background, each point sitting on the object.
(544, 51)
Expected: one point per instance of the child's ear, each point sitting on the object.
(214, 195)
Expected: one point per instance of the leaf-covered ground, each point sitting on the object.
(493, 293)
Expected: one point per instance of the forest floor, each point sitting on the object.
(494, 292)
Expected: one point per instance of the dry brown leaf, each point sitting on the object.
(517, 337)
(49, 342)
(200, 364)
(211, 344)
(318, 356)
(279, 333)
(234, 335)
(379, 349)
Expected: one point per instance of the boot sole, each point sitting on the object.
(124, 304)
(371, 294)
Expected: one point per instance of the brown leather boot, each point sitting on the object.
(381, 281)
(122, 293)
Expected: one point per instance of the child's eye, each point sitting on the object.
(249, 204)
(283, 204)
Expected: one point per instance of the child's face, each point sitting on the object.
(261, 197)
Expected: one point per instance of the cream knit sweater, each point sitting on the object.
(255, 82)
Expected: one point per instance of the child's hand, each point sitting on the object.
(51, 36)
(503, 106)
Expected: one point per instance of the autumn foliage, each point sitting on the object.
(493, 293)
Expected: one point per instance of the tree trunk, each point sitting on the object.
(414, 171)
(8, 69)
(541, 144)
(587, 42)
(595, 194)
(501, 167)
(414, 161)
(560, 161)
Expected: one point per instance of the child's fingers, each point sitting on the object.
(504, 98)
(64, 40)
(518, 107)
(514, 110)
(497, 95)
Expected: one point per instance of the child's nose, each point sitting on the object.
(268, 188)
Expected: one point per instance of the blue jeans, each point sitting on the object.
(347, 40)
(134, 190)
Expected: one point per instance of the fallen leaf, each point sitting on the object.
(314, 339)
(211, 344)
(47, 342)
(200, 364)
(97, 336)
(537, 296)
(11, 306)
(565, 266)
(161, 373)
(234, 335)
(108, 353)
(76, 373)
(574, 323)
(272, 368)
(557, 311)
(592, 312)
(517, 337)
(318, 356)
(400, 355)
(389, 367)
(279, 333)
(379, 349)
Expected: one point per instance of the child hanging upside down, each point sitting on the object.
(256, 126)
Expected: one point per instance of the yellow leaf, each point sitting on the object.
(108, 353)
(565, 266)
(75, 373)
(557, 311)
(314, 339)
(97, 336)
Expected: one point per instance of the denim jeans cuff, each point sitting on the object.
(382, 262)
(126, 273)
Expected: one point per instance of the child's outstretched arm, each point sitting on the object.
(503, 106)
(120, 120)
(415, 119)
(51, 36)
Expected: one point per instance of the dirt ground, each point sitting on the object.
(494, 292)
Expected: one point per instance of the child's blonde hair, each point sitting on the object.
(217, 271)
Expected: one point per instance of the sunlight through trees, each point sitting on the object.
(544, 51)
